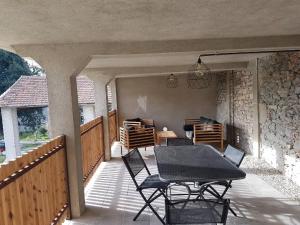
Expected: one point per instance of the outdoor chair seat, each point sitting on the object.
(153, 181)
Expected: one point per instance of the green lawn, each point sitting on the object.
(30, 136)
(28, 147)
(2, 158)
(24, 148)
(33, 140)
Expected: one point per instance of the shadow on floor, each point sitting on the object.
(111, 199)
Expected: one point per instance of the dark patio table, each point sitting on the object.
(194, 163)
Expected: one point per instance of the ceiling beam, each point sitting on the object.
(202, 46)
(163, 70)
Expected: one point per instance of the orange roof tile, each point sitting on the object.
(31, 91)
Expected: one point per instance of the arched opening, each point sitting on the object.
(24, 114)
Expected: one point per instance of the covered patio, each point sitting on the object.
(111, 198)
(150, 56)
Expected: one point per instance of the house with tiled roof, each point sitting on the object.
(32, 92)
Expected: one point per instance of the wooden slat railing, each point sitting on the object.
(209, 134)
(34, 187)
(137, 138)
(92, 146)
(113, 126)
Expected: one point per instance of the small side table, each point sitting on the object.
(160, 135)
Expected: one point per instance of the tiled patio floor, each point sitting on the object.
(111, 199)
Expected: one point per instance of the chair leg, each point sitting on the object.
(221, 196)
(148, 203)
(225, 191)
(139, 213)
(156, 214)
(211, 192)
(232, 211)
(163, 193)
(215, 191)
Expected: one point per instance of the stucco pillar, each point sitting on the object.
(64, 118)
(62, 64)
(88, 112)
(101, 108)
(11, 133)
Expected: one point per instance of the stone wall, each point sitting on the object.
(222, 98)
(278, 93)
(279, 104)
(235, 107)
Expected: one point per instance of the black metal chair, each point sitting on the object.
(200, 211)
(135, 164)
(179, 141)
(235, 156)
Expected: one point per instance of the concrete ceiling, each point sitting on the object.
(56, 21)
(131, 37)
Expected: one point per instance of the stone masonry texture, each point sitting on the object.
(242, 109)
(237, 101)
(279, 110)
(279, 98)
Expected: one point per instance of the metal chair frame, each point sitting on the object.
(156, 194)
(227, 184)
(210, 203)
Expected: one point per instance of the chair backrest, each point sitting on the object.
(192, 121)
(139, 137)
(149, 122)
(199, 211)
(235, 155)
(208, 134)
(128, 124)
(134, 163)
(179, 141)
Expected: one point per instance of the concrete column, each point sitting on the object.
(62, 64)
(11, 133)
(101, 108)
(64, 118)
(88, 112)
(256, 129)
(113, 87)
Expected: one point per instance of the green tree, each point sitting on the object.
(32, 118)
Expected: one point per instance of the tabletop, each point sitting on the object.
(166, 134)
(193, 163)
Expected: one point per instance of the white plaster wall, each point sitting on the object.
(148, 97)
(11, 133)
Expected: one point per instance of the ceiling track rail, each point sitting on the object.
(249, 52)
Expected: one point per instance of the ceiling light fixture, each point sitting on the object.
(201, 69)
(172, 81)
